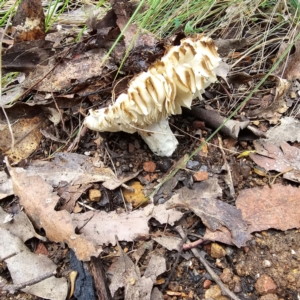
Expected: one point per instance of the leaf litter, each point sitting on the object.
(49, 190)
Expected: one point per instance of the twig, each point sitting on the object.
(86, 206)
(230, 183)
(191, 245)
(215, 277)
(12, 288)
(180, 250)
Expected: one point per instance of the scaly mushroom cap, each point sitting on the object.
(180, 76)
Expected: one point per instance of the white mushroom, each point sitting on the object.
(181, 75)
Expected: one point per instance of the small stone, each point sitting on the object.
(200, 176)
(226, 276)
(94, 195)
(193, 165)
(217, 251)
(174, 286)
(206, 284)
(213, 292)
(131, 148)
(164, 165)
(269, 297)
(149, 166)
(290, 278)
(265, 285)
(198, 125)
(266, 263)
(293, 95)
(243, 144)
(237, 284)
(117, 164)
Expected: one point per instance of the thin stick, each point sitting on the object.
(215, 277)
(230, 183)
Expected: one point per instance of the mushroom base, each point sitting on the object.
(160, 138)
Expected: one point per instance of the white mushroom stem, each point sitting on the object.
(160, 138)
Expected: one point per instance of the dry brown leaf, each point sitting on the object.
(285, 159)
(126, 274)
(69, 167)
(19, 226)
(262, 209)
(70, 194)
(277, 207)
(169, 242)
(39, 201)
(289, 67)
(26, 265)
(115, 182)
(80, 68)
(27, 138)
(213, 213)
(6, 188)
(287, 131)
(123, 11)
(222, 235)
(101, 227)
(25, 56)
(13, 235)
(273, 112)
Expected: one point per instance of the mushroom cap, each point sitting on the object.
(169, 84)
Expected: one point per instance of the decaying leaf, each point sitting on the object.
(123, 11)
(277, 207)
(273, 112)
(19, 226)
(264, 208)
(71, 168)
(285, 158)
(126, 274)
(6, 188)
(287, 131)
(169, 242)
(213, 213)
(25, 265)
(27, 137)
(68, 72)
(101, 227)
(115, 182)
(39, 201)
(25, 56)
(289, 67)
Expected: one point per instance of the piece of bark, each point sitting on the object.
(100, 280)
